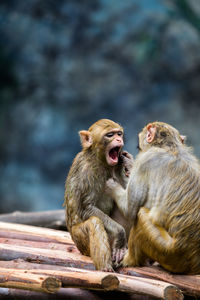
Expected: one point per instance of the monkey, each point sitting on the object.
(162, 201)
(88, 208)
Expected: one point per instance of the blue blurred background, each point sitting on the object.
(65, 64)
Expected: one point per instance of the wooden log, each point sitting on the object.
(70, 294)
(22, 279)
(73, 277)
(43, 245)
(58, 257)
(28, 232)
(74, 259)
(63, 258)
(189, 284)
(155, 288)
(51, 280)
(131, 284)
(51, 219)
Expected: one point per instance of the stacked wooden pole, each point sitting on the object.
(45, 260)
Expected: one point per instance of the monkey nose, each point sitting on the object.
(119, 139)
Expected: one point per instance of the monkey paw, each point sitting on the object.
(111, 185)
(108, 268)
(127, 161)
(118, 255)
(129, 260)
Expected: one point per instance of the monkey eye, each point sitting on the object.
(163, 133)
(120, 133)
(109, 134)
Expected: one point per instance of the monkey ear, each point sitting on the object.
(86, 139)
(183, 138)
(151, 131)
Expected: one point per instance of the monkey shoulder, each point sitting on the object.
(83, 170)
(86, 181)
(153, 157)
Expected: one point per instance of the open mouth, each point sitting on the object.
(113, 155)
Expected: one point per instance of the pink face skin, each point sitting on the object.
(115, 146)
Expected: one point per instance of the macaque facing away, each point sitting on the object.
(162, 200)
(88, 208)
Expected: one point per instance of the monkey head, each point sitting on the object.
(105, 139)
(159, 134)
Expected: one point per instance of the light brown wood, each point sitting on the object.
(44, 245)
(147, 286)
(63, 258)
(50, 280)
(22, 279)
(73, 277)
(15, 230)
(47, 246)
(189, 284)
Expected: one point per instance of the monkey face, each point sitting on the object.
(114, 141)
(105, 139)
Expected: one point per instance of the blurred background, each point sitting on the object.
(65, 64)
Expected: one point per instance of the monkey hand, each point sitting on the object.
(127, 162)
(111, 187)
(118, 255)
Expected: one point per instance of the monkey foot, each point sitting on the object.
(128, 261)
(108, 269)
(118, 255)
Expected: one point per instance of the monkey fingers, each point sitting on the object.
(127, 160)
(108, 269)
(118, 255)
(111, 185)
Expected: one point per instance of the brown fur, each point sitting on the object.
(163, 202)
(88, 209)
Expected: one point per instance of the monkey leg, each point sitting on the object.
(134, 256)
(91, 239)
(157, 234)
(148, 240)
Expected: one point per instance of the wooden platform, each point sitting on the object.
(40, 260)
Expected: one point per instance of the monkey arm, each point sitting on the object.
(137, 192)
(114, 229)
(92, 210)
(118, 194)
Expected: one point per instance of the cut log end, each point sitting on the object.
(51, 284)
(110, 282)
(173, 293)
